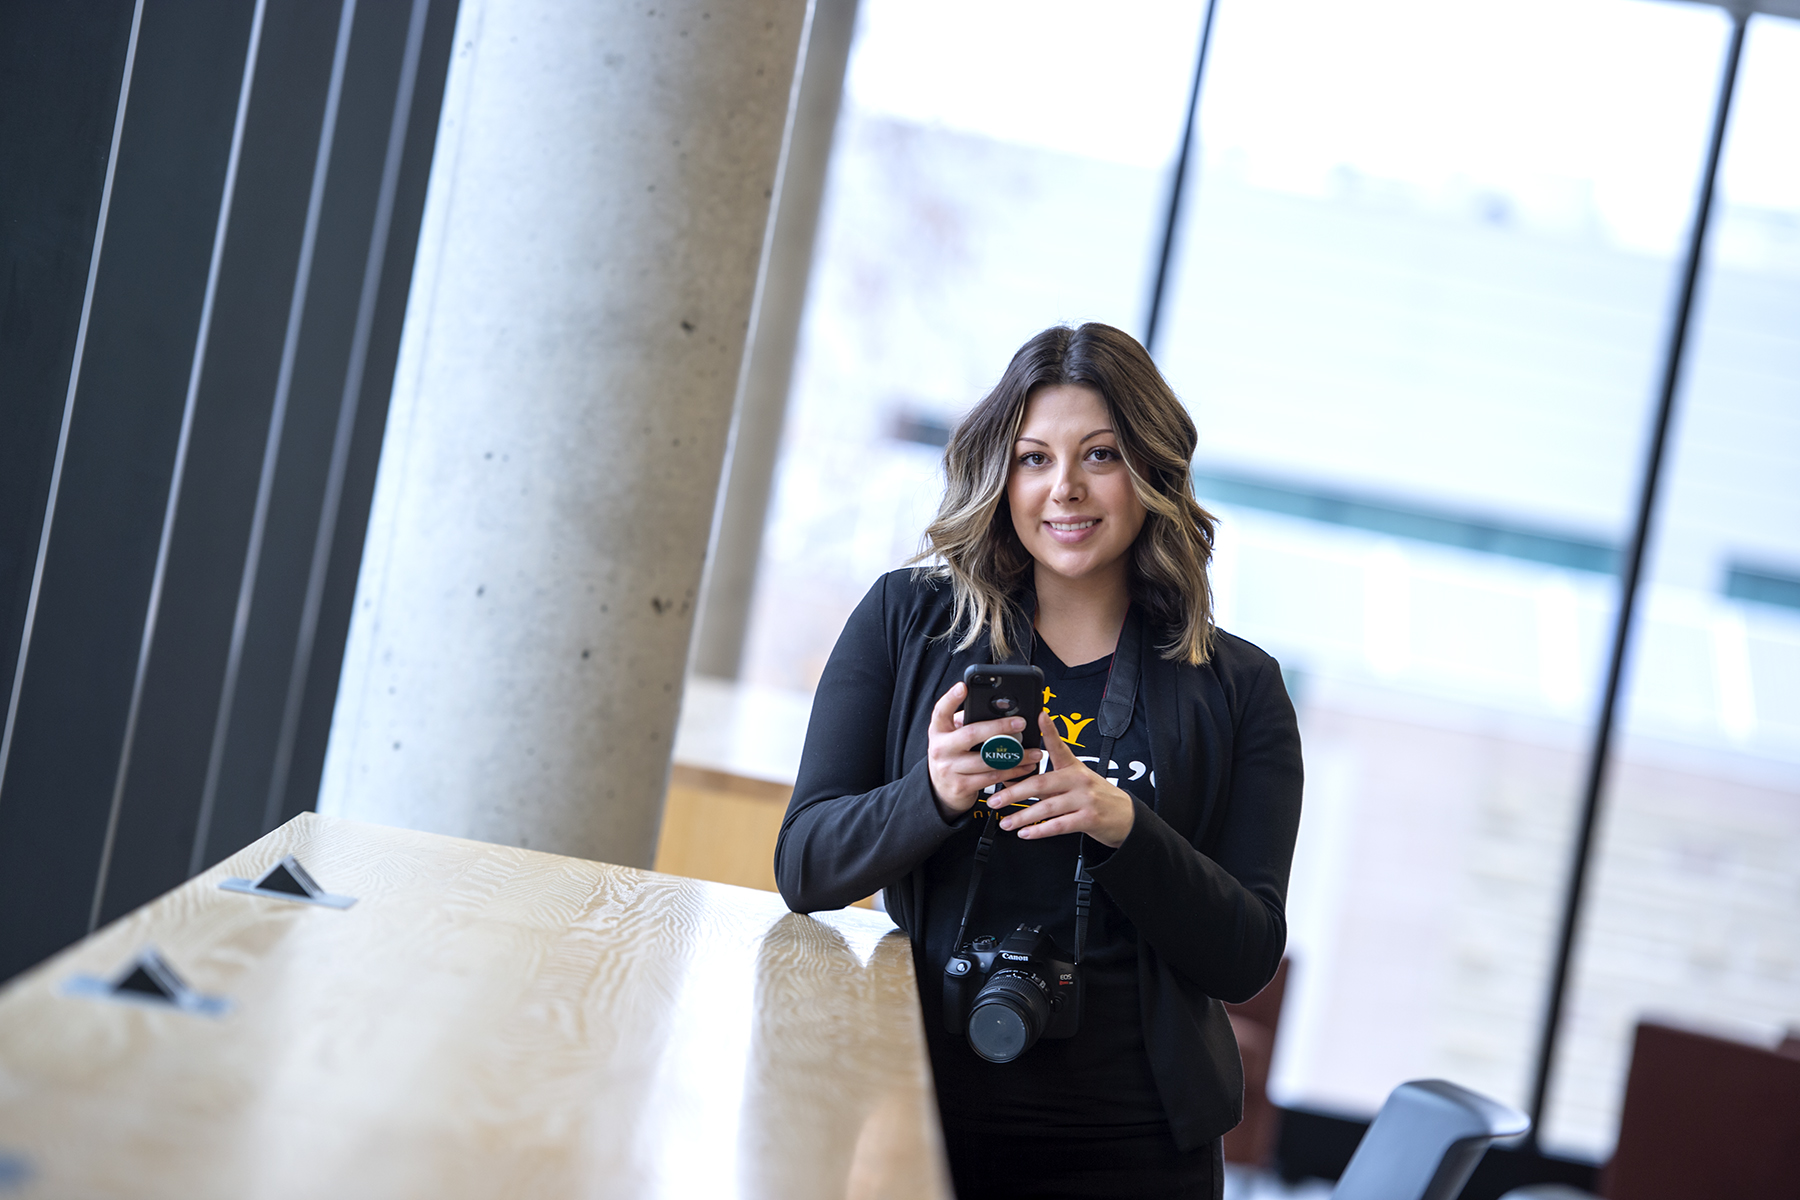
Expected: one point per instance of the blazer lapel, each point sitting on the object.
(1209, 714)
(1168, 740)
(1188, 752)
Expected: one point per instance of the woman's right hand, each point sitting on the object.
(953, 755)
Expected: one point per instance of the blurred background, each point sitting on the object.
(1419, 292)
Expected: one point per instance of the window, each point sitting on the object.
(997, 168)
(1419, 307)
(1419, 318)
(1693, 909)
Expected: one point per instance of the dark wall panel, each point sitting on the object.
(313, 729)
(274, 688)
(240, 636)
(59, 95)
(82, 658)
(186, 673)
(346, 223)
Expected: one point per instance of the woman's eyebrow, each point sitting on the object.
(1041, 442)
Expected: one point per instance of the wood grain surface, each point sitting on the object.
(485, 1022)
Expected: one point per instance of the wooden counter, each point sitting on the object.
(483, 1022)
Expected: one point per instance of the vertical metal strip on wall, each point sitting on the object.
(347, 409)
(68, 414)
(181, 450)
(272, 447)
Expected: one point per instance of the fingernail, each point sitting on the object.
(1016, 724)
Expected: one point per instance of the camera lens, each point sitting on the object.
(998, 1032)
(1009, 1013)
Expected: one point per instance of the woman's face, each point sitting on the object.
(1070, 492)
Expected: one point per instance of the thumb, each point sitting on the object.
(1060, 754)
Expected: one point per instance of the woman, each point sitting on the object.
(1068, 534)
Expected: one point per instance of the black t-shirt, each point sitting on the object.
(1097, 1083)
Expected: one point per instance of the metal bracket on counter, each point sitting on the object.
(149, 979)
(288, 880)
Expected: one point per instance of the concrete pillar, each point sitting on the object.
(571, 353)
(768, 370)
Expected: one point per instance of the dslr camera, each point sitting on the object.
(1005, 995)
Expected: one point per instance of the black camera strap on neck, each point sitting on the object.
(1116, 706)
(983, 847)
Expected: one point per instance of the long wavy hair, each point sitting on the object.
(972, 540)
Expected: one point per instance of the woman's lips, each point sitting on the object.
(1070, 532)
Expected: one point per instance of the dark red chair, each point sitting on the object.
(1252, 1143)
(1706, 1117)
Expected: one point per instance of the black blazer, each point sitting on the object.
(1203, 876)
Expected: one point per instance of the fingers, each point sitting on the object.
(1054, 817)
(970, 766)
(1038, 787)
(1105, 820)
(981, 731)
(988, 779)
(1060, 754)
(1051, 783)
(1076, 822)
(1105, 814)
(1069, 798)
(942, 713)
(1043, 810)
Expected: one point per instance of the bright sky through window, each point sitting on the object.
(1562, 111)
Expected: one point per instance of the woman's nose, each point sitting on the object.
(1070, 485)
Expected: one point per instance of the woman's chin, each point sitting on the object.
(1075, 566)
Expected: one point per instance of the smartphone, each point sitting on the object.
(1005, 690)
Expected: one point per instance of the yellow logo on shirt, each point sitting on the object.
(1072, 727)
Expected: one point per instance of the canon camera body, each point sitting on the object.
(1005, 995)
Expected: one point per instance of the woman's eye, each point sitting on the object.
(1103, 454)
(1031, 458)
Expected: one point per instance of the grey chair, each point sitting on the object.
(1425, 1142)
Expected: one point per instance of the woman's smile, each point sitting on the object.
(1071, 532)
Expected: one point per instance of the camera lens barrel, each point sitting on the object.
(1009, 1013)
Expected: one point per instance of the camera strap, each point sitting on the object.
(1116, 706)
(983, 847)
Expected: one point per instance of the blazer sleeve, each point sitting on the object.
(849, 829)
(1221, 920)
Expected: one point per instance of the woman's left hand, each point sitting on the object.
(1070, 798)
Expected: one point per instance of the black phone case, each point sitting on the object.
(1023, 685)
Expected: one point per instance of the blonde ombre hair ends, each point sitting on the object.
(972, 542)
